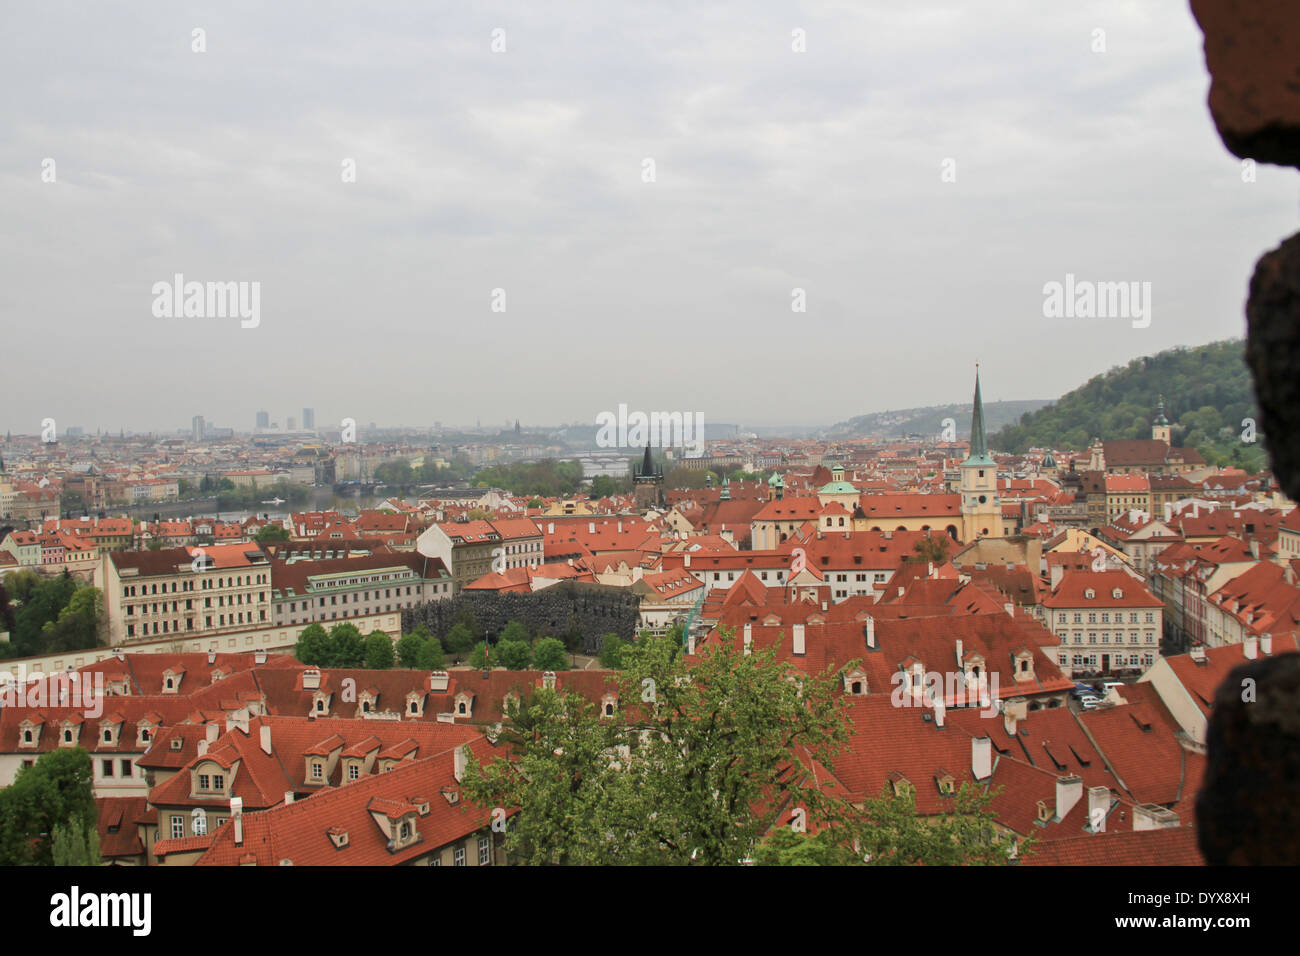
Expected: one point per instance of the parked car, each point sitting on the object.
(1089, 701)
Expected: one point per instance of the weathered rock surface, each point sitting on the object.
(1273, 354)
(1252, 49)
(1247, 812)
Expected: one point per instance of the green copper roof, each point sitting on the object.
(1160, 413)
(979, 451)
(838, 488)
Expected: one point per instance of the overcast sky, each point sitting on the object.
(523, 170)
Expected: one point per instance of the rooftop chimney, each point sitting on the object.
(591, 527)
(259, 657)
(1009, 720)
(460, 759)
(1010, 608)
(1251, 647)
(940, 711)
(901, 589)
(869, 632)
(929, 569)
(981, 757)
(686, 560)
(438, 681)
(311, 679)
(265, 734)
(1197, 653)
(211, 732)
(799, 639)
(212, 657)
(237, 819)
(1069, 791)
(1098, 807)
(202, 748)
(1266, 644)
(749, 638)
(1152, 816)
(959, 652)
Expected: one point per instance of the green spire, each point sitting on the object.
(979, 450)
(1160, 413)
(978, 444)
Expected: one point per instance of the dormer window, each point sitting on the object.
(338, 836)
(1089, 594)
(1117, 594)
(548, 680)
(177, 743)
(608, 704)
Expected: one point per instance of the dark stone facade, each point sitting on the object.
(579, 613)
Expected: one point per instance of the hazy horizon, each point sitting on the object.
(824, 170)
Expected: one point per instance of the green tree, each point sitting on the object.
(459, 639)
(57, 788)
(74, 845)
(431, 656)
(549, 655)
(514, 655)
(409, 647)
(611, 652)
(379, 651)
(271, 532)
(515, 631)
(704, 750)
(931, 548)
(480, 658)
(891, 834)
(314, 646)
(347, 646)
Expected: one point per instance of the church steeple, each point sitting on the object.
(981, 511)
(979, 450)
(1160, 430)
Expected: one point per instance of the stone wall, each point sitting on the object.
(578, 613)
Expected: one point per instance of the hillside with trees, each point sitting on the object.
(1207, 392)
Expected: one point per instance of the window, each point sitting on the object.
(317, 770)
(205, 782)
(125, 768)
(404, 832)
(178, 827)
(106, 768)
(460, 856)
(484, 851)
(354, 772)
(218, 782)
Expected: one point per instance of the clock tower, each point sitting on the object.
(981, 511)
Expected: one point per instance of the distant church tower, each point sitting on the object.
(649, 484)
(1160, 427)
(981, 512)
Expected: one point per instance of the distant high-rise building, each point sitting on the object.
(196, 428)
(263, 419)
(308, 419)
(292, 424)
